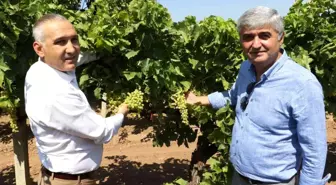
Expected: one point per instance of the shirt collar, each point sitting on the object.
(275, 67)
(68, 76)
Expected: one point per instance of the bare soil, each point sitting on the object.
(130, 158)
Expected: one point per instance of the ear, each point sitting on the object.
(281, 38)
(38, 47)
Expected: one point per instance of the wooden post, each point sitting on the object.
(103, 106)
(21, 159)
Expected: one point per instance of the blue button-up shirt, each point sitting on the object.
(282, 127)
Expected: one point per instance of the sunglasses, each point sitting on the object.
(245, 100)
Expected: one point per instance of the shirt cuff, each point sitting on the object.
(216, 100)
(115, 122)
(305, 180)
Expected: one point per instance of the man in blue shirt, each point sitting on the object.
(280, 117)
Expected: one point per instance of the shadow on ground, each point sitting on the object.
(125, 172)
(5, 133)
(140, 125)
(121, 171)
(331, 161)
(7, 176)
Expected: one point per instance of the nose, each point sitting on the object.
(70, 48)
(256, 43)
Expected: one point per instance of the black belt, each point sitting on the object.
(67, 176)
(251, 181)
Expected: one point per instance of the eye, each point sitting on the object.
(60, 42)
(247, 37)
(265, 35)
(75, 41)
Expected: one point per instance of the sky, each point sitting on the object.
(179, 9)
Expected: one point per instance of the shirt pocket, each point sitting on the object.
(269, 112)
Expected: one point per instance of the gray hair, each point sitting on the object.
(259, 17)
(37, 28)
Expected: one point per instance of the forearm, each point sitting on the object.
(313, 142)
(71, 114)
(313, 164)
(87, 124)
(309, 112)
(114, 123)
(202, 100)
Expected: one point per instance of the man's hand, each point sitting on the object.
(123, 109)
(192, 99)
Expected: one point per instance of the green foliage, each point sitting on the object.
(15, 53)
(178, 182)
(311, 33)
(149, 52)
(220, 169)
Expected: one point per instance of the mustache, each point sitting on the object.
(67, 57)
(256, 51)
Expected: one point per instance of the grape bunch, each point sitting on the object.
(134, 100)
(11, 109)
(179, 102)
(13, 120)
(114, 105)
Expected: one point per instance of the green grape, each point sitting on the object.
(114, 105)
(12, 113)
(134, 116)
(179, 102)
(13, 120)
(134, 100)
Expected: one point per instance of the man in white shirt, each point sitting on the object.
(69, 134)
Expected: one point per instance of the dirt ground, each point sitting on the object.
(130, 159)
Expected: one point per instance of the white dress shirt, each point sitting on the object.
(69, 134)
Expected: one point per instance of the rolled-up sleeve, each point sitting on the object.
(71, 114)
(309, 113)
(305, 179)
(220, 99)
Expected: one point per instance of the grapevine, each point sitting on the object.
(157, 55)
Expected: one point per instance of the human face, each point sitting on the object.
(60, 47)
(261, 46)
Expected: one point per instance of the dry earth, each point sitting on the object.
(130, 159)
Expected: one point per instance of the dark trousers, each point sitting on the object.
(237, 179)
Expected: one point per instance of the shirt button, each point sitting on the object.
(237, 141)
(251, 99)
(246, 114)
